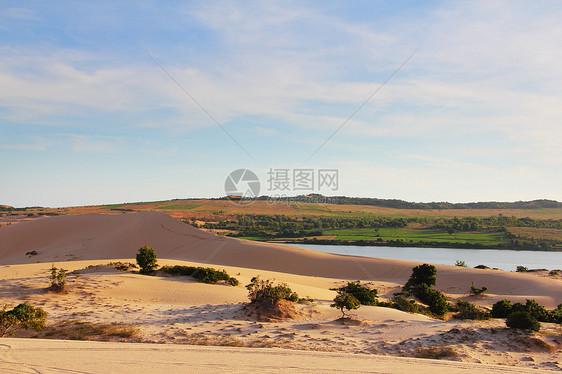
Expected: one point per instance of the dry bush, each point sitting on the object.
(436, 353)
(267, 312)
(218, 340)
(80, 330)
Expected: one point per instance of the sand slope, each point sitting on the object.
(96, 236)
(55, 356)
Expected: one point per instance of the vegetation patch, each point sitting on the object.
(146, 259)
(504, 308)
(80, 330)
(475, 291)
(467, 310)
(419, 284)
(205, 275)
(123, 266)
(522, 320)
(401, 303)
(58, 279)
(272, 302)
(23, 316)
(436, 353)
(365, 295)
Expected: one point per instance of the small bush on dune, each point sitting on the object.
(556, 314)
(436, 353)
(481, 267)
(345, 301)
(477, 291)
(419, 285)
(504, 308)
(264, 291)
(365, 295)
(58, 279)
(23, 316)
(522, 269)
(422, 274)
(537, 311)
(401, 303)
(522, 320)
(460, 263)
(146, 258)
(467, 310)
(501, 309)
(434, 299)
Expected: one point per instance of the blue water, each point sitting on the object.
(504, 259)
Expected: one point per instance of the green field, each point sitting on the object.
(416, 235)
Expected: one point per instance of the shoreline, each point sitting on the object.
(399, 244)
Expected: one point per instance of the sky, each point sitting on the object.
(108, 102)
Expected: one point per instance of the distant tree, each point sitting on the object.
(23, 316)
(460, 263)
(345, 301)
(146, 258)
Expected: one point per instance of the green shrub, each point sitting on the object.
(467, 310)
(460, 263)
(345, 301)
(522, 269)
(264, 291)
(146, 258)
(477, 291)
(481, 267)
(23, 316)
(401, 303)
(501, 309)
(365, 295)
(435, 300)
(422, 274)
(522, 320)
(538, 311)
(58, 279)
(205, 275)
(556, 314)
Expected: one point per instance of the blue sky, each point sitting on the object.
(88, 117)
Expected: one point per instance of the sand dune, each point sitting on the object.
(97, 236)
(178, 310)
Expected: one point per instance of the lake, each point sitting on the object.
(504, 259)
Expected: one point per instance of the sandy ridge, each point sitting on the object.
(56, 356)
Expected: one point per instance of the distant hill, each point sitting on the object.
(402, 204)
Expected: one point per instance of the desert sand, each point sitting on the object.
(179, 310)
